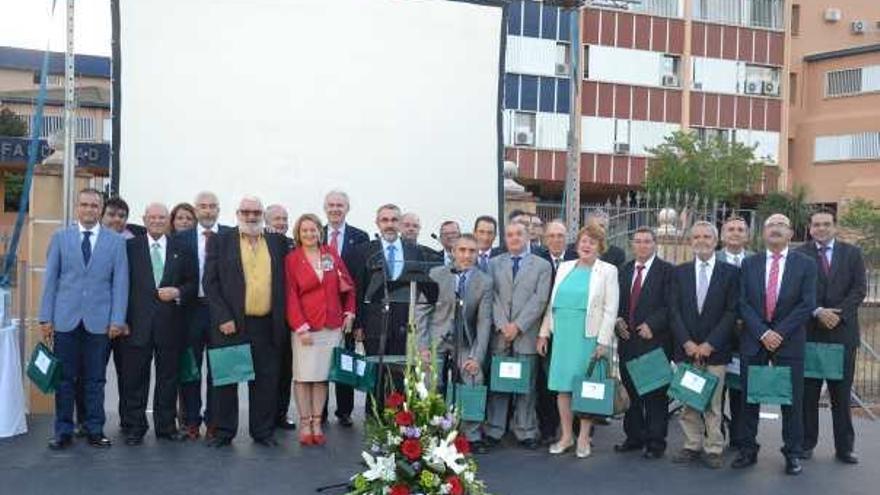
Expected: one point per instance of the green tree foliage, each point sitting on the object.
(863, 216)
(11, 125)
(794, 205)
(713, 168)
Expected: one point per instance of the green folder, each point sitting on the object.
(693, 386)
(594, 394)
(650, 371)
(769, 385)
(189, 369)
(342, 367)
(823, 361)
(44, 369)
(511, 374)
(471, 401)
(232, 364)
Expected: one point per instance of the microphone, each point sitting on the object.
(435, 237)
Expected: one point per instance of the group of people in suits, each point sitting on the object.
(187, 284)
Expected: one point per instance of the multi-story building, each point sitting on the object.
(650, 68)
(834, 137)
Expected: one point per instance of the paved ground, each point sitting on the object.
(27, 466)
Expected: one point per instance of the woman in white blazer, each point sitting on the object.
(580, 316)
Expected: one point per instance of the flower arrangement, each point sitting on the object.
(413, 445)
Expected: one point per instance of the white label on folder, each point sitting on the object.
(42, 362)
(593, 390)
(361, 367)
(346, 363)
(733, 366)
(511, 371)
(693, 382)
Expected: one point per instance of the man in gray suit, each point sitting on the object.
(521, 283)
(437, 322)
(84, 304)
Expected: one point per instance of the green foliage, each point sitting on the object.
(863, 216)
(794, 205)
(11, 125)
(716, 168)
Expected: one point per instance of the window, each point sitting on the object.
(708, 134)
(666, 8)
(563, 56)
(621, 132)
(586, 61)
(752, 13)
(795, 20)
(86, 130)
(670, 68)
(761, 80)
(847, 147)
(792, 88)
(524, 129)
(852, 81)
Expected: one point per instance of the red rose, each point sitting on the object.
(394, 400)
(462, 445)
(411, 449)
(404, 418)
(399, 490)
(455, 485)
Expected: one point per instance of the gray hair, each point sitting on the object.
(338, 192)
(251, 198)
(703, 223)
(271, 209)
(155, 204)
(203, 194)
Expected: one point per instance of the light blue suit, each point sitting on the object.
(97, 294)
(81, 301)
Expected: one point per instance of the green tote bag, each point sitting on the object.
(769, 385)
(594, 394)
(511, 374)
(823, 361)
(232, 364)
(693, 386)
(189, 371)
(650, 371)
(471, 401)
(44, 369)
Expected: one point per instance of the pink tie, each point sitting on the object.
(334, 241)
(772, 283)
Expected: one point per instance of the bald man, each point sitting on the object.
(162, 277)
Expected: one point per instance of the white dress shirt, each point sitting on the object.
(784, 254)
(95, 230)
(647, 269)
(734, 259)
(202, 240)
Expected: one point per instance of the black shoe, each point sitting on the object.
(80, 431)
(744, 460)
(847, 457)
(627, 447)
(806, 455)
(99, 441)
(174, 436)
(345, 420)
(548, 440)
(793, 466)
(529, 443)
(132, 440)
(284, 424)
(266, 442)
(61, 443)
(480, 447)
(652, 454)
(219, 442)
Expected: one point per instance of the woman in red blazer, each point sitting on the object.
(320, 303)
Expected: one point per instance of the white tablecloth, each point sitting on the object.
(12, 403)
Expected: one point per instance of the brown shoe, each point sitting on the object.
(685, 456)
(193, 433)
(713, 461)
(210, 432)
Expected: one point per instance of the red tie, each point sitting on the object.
(334, 240)
(635, 293)
(772, 282)
(823, 260)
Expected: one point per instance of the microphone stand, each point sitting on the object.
(458, 328)
(386, 316)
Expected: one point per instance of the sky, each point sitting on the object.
(26, 24)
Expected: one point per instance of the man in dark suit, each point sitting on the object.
(777, 297)
(387, 258)
(410, 228)
(613, 254)
(198, 314)
(485, 231)
(840, 289)
(244, 282)
(642, 326)
(346, 239)
(162, 276)
(703, 308)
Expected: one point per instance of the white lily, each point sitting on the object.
(380, 468)
(446, 453)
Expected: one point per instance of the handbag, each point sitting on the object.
(470, 401)
(693, 386)
(189, 371)
(44, 369)
(595, 393)
(732, 375)
(231, 364)
(769, 385)
(823, 361)
(650, 371)
(511, 374)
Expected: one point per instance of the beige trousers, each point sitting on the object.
(704, 428)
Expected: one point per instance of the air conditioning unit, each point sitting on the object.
(753, 87)
(562, 70)
(698, 85)
(832, 15)
(670, 80)
(858, 27)
(621, 148)
(770, 88)
(524, 138)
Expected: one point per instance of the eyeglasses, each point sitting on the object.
(253, 213)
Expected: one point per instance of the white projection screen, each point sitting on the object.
(390, 100)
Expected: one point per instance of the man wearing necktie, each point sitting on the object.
(449, 233)
(643, 326)
(162, 278)
(83, 307)
(840, 289)
(703, 309)
(346, 240)
(485, 231)
(777, 298)
(521, 282)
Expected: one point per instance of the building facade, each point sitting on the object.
(716, 67)
(835, 99)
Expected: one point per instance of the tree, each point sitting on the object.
(794, 205)
(863, 216)
(11, 125)
(713, 168)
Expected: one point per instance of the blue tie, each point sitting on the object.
(484, 262)
(86, 247)
(516, 265)
(462, 280)
(389, 261)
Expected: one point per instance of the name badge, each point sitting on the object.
(346, 363)
(361, 367)
(512, 371)
(326, 263)
(733, 366)
(42, 362)
(693, 382)
(591, 390)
